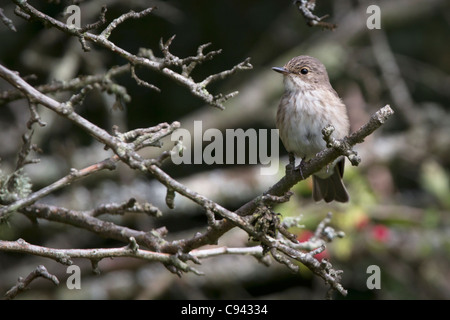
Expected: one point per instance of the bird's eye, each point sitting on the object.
(304, 71)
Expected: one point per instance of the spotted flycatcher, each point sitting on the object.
(309, 104)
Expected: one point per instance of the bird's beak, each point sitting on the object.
(280, 70)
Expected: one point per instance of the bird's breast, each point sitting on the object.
(299, 125)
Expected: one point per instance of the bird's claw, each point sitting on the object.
(290, 167)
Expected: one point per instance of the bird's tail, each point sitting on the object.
(331, 188)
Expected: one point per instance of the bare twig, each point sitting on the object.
(129, 206)
(141, 82)
(6, 21)
(101, 21)
(34, 117)
(130, 15)
(79, 97)
(306, 7)
(27, 147)
(255, 251)
(65, 256)
(22, 284)
(151, 240)
(244, 65)
(102, 81)
(143, 137)
(74, 175)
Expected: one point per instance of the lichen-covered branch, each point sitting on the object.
(162, 65)
(65, 256)
(306, 8)
(22, 284)
(101, 81)
(6, 21)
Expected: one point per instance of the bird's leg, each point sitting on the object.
(291, 166)
(299, 168)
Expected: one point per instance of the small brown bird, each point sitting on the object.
(309, 104)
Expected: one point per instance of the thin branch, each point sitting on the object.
(244, 65)
(84, 219)
(6, 211)
(6, 21)
(60, 108)
(189, 62)
(34, 117)
(65, 256)
(22, 284)
(102, 81)
(130, 15)
(101, 21)
(306, 7)
(127, 207)
(256, 251)
(78, 98)
(141, 82)
(27, 147)
(142, 137)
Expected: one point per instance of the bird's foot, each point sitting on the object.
(291, 166)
